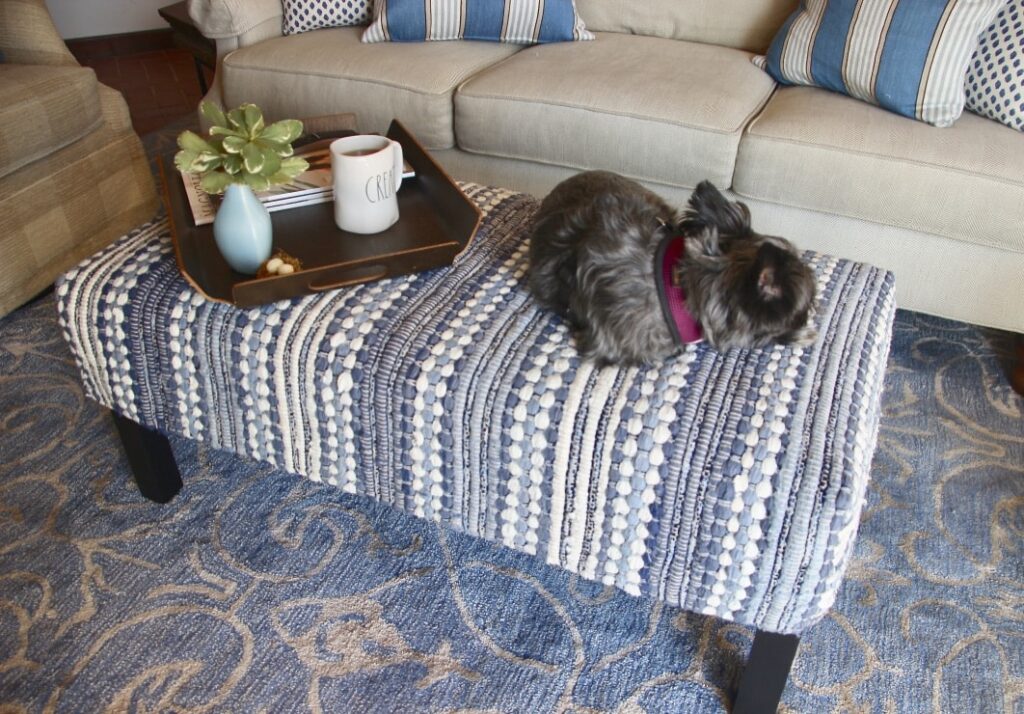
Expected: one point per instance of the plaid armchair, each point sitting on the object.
(73, 174)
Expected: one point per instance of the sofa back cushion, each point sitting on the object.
(681, 139)
(743, 24)
(410, 81)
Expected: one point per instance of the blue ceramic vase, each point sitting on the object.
(242, 229)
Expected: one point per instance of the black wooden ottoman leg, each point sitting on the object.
(152, 461)
(766, 673)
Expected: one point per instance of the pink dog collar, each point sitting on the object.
(684, 328)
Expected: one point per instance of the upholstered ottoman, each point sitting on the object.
(722, 483)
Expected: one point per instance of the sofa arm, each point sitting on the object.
(28, 35)
(223, 19)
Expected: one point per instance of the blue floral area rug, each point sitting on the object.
(257, 591)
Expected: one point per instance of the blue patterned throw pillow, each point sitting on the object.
(908, 56)
(522, 21)
(305, 15)
(995, 76)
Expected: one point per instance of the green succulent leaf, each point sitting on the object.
(279, 178)
(293, 166)
(216, 144)
(281, 150)
(228, 131)
(190, 141)
(290, 168)
(196, 162)
(183, 160)
(253, 119)
(282, 132)
(235, 144)
(271, 163)
(205, 162)
(257, 182)
(253, 158)
(233, 163)
(236, 120)
(240, 148)
(215, 182)
(214, 113)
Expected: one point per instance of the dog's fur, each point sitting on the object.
(592, 261)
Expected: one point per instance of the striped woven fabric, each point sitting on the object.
(909, 56)
(725, 483)
(515, 21)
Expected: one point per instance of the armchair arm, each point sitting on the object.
(28, 35)
(223, 19)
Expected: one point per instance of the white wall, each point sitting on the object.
(91, 18)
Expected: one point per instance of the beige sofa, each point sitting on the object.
(73, 173)
(667, 94)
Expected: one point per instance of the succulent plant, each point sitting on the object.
(241, 148)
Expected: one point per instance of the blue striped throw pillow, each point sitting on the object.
(908, 56)
(516, 21)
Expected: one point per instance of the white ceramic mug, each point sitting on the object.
(367, 172)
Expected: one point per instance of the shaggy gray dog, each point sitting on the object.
(601, 255)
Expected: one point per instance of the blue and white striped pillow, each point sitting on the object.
(995, 77)
(515, 21)
(908, 56)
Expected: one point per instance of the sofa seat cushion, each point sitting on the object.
(607, 105)
(412, 82)
(815, 149)
(43, 109)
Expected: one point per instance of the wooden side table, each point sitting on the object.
(188, 38)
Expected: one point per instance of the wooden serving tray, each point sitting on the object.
(436, 223)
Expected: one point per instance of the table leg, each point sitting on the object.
(766, 673)
(152, 461)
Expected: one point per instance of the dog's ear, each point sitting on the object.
(770, 267)
(710, 208)
(768, 286)
(703, 246)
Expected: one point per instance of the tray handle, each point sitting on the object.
(351, 276)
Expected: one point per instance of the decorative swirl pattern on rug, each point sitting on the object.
(259, 591)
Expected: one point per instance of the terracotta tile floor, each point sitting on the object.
(159, 86)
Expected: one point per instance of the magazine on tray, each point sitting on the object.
(308, 188)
